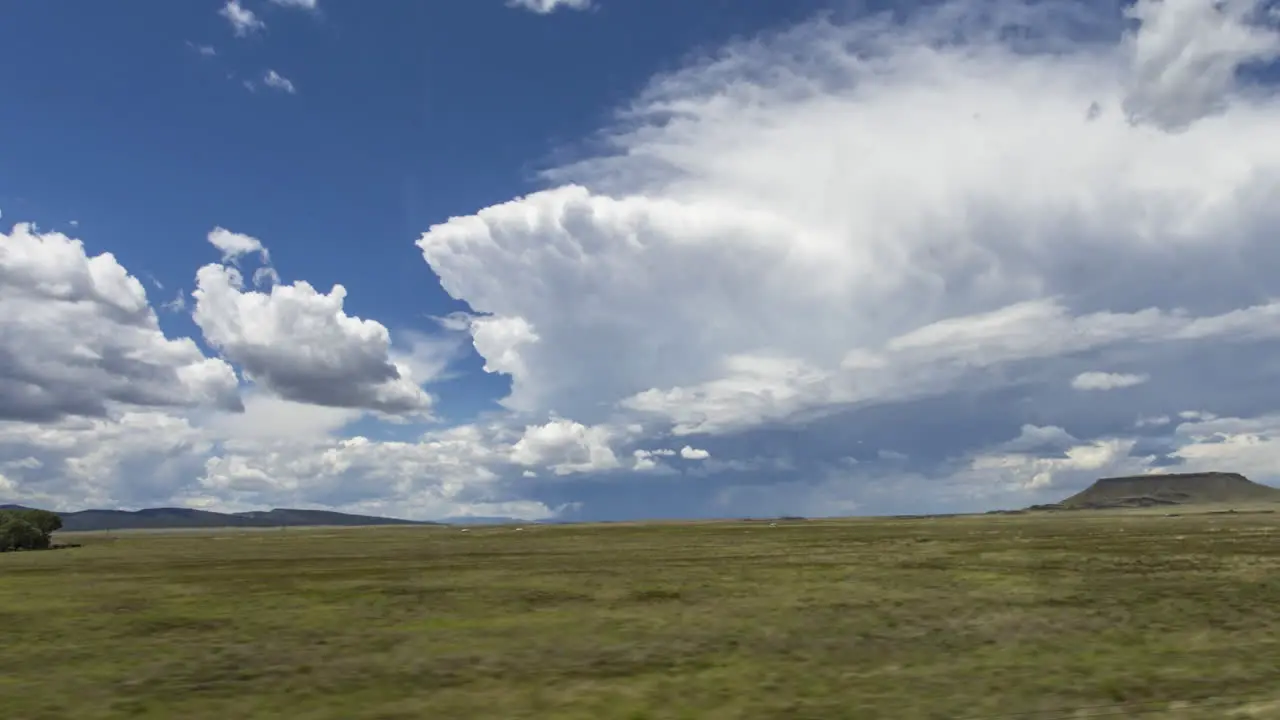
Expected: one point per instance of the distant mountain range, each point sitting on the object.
(183, 518)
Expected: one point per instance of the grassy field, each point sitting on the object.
(1127, 615)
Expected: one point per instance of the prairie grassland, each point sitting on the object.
(1119, 615)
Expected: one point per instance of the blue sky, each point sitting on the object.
(408, 113)
(631, 259)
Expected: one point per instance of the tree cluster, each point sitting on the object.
(27, 529)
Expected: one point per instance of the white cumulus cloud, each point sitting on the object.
(853, 213)
(78, 336)
(692, 453)
(301, 344)
(545, 7)
(276, 81)
(1094, 380)
(279, 454)
(203, 51)
(565, 447)
(243, 21)
(235, 245)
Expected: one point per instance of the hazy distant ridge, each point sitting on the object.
(181, 518)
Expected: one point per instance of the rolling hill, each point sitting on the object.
(185, 518)
(1134, 491)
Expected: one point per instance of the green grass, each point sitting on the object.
(943, 618)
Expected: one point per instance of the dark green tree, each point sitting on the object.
(17, 533)
(27, 529)
(47, 522)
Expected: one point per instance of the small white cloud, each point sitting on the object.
(645, 459)
(546, 7)
(177, 304)
(275, 80)
(243, 21)
(691, 453)
(1035, 437)
(265, 275)
(529, 474)
(565, 447)
(1106, 381)
(233, 245)
(300, 4)
(1197, 415)
(203, 50)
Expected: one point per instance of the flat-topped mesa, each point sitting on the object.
(1177, 483)
(1171, 489)
(1173, 477)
